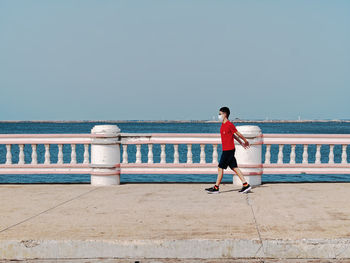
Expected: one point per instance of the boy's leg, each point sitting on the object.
(221, 166)
(215, 188)
(246, 187)
(220, 175)
(240, 174)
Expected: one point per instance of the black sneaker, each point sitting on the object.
(212, 190)
(245, 189)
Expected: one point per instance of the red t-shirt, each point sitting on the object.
(227, 130)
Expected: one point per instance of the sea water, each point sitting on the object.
(330, 127)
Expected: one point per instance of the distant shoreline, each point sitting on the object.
(174, 121)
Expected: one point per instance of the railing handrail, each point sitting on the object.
(51, 135)
(173, 138)
(130, 134)
(306, 139)
(215, 135)
(172, 135)
(64, 138)
(304, 135)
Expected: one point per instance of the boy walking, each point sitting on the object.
(228, 133)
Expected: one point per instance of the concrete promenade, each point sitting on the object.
(164, 221)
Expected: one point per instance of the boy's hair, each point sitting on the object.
(225, 110)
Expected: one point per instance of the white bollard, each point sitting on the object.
(250, 156)
(105, 155)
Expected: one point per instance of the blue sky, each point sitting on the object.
(179, 60)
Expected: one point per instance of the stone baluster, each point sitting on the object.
(343, 154)
(21, 154)
(305, 154)
(189, 153)
(331, 154)
(292, 154)
(176, 153)
(34, 154)
(202, 154)
(215, 153)
(280, 154)
(162, 153)
(60, 154)
(150, 153)
(318, 154)
(125, 153)
(73, 155)
(8, 154)
(47, 154)
(138, 153)
(86, 153)
(268, 153)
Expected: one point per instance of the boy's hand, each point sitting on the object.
(246, 145)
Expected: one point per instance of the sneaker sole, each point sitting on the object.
(212, 192)
(246, 190)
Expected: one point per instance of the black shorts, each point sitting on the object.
(228, 159)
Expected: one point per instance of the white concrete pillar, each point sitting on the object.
(105, 155)
(250, 156)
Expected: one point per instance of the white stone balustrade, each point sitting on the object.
(28, 159)
(171, 153)
(309, 163)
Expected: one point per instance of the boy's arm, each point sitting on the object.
(237, 134)
(237, 139)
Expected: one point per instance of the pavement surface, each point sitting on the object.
(184, 261)
(289, 220)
